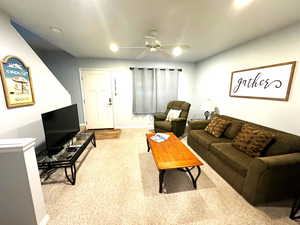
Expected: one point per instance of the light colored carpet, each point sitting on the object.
(117, 183)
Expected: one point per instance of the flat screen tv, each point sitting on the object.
(60, 126)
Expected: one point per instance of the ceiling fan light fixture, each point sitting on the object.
(55, 29)
(177, 51)
(153, 49)
(114, 47)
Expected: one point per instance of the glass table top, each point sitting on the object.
(69, 149)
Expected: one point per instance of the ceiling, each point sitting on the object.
(34, 40)
(208, 26)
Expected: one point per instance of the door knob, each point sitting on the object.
(109, 101)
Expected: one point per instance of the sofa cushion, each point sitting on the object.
(217, 126)
(205, 139)
(283, 143)
(165, 125)
(236, 159)
(252, 140)
(233, 129)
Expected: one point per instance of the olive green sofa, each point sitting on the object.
(176, 126)
(272, 176)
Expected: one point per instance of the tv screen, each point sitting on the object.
(60, 126)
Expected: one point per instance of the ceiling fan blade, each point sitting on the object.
(183, 46)
(149, 37)
(165, 54)
(133, 47)
(142, 54)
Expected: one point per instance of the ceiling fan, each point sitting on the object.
(153, 45)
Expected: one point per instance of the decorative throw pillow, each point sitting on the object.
(173, 114)
(217, 126)
(251, 140)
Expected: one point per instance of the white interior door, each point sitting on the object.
(98, 99)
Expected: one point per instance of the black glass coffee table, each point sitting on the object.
(67, 157)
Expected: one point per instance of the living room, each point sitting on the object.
(205, 45)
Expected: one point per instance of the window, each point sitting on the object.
(153, 89)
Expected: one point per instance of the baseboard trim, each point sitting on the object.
(129, 127)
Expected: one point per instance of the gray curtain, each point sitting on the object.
(166, 88)
(153, 89)
(144, 97)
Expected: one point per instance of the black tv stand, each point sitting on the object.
(66, 158)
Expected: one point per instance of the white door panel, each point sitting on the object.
(98, 99)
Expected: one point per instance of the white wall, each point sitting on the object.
(123, 101)
(49, 93)
(213, 80)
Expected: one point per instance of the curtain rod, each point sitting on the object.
(140, 68)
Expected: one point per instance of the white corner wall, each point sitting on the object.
(213, 80)
(49, 93)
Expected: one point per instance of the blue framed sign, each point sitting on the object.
(16, 82)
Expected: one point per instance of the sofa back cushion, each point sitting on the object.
(233, 129)
(282, 142)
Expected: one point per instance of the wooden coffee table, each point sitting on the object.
(173, 154)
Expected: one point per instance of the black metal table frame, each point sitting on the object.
(185, 169)
(295, 209)
(69, 163)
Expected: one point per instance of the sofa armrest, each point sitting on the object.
(272, 178)
(160, 116)
(198, 124)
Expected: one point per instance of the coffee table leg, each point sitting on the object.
(71, 179)
(295, 209)
(148, 146)
(194, 180)
(161, 180)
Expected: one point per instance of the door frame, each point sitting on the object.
(81, 71)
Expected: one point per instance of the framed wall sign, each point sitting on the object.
(16, 82)
(267, 82)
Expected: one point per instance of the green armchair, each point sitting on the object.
(177, 126)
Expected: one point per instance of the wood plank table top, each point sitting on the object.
(172, 153)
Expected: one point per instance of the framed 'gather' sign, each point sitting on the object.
(267, 82)
(16, 82)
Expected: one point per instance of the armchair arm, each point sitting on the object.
(198, 124)
(160, 116)
(272, 178)
(178, 126)
(179, 120)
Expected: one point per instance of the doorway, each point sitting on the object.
(98, 98)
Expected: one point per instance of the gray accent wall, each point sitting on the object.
(64, 66)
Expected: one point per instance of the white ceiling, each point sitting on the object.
(208, 26)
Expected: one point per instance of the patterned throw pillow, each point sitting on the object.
(217, 126)
(251, 140)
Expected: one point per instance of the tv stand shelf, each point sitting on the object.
(67, 157)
